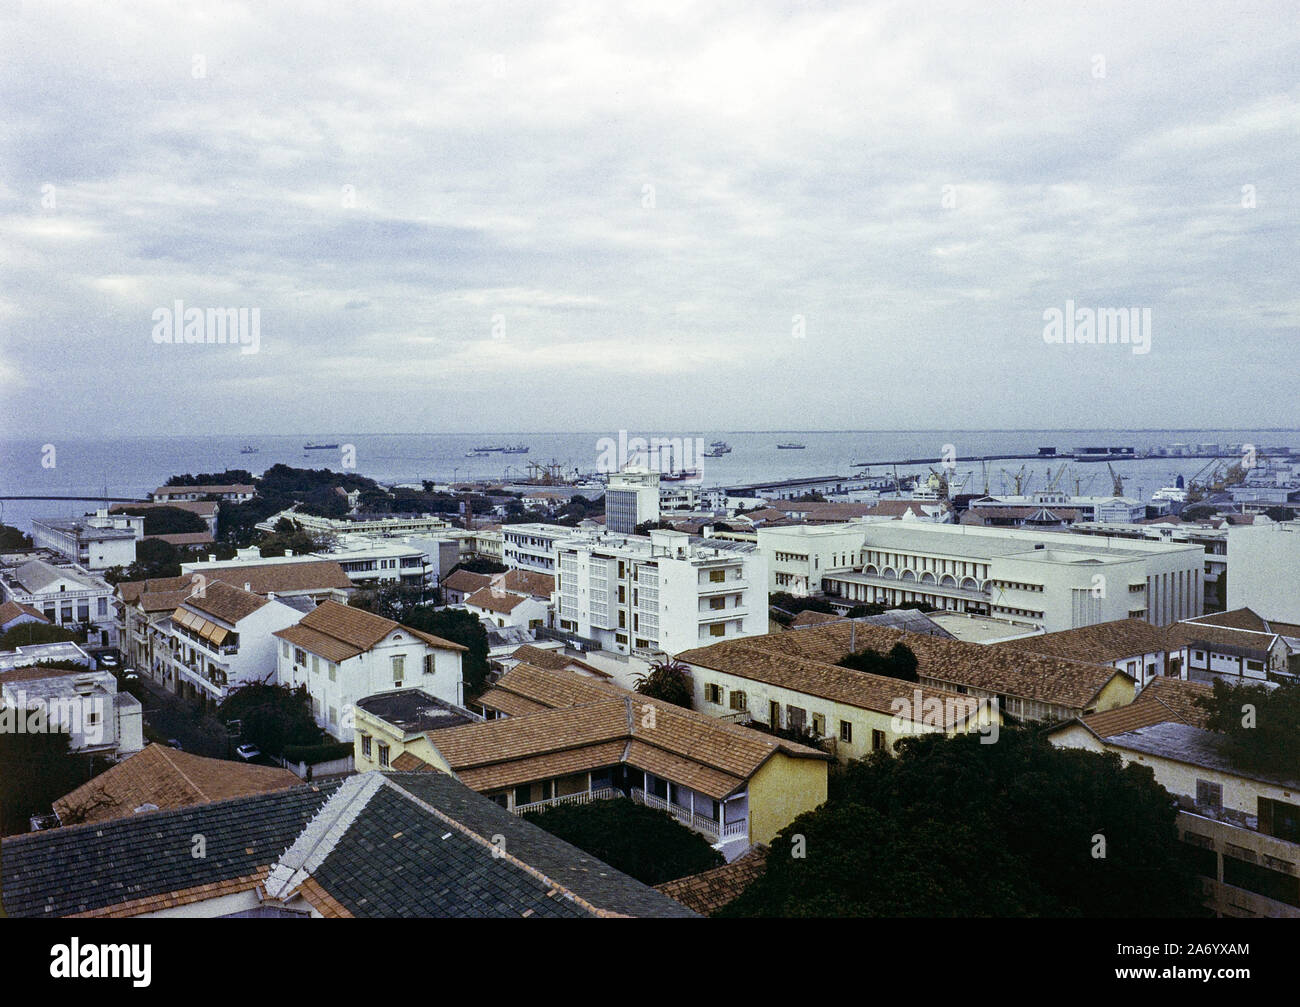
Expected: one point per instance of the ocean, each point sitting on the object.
(133, 466)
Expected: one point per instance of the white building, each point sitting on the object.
(508, 608)
(631, 498)
(1266, 569)
(660, 594)
(344, 654)
(364, 559)
(799, 556)
(532, 546)
(86, 704)
(220, 638)
(67, 596)
(234, 493)
(96, 542)
(1055, 580)
(384, 525)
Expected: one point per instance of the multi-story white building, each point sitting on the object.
(344, 654)
(97, 541)
(364, 559)
(1213, 539)
(1266, 569)
(384, 525)
(219, 638)
(67, 596)
(1054, 580)
(799, 556)
(532, 546)
(631, 498)
(234, 493)
(660, 594)
(84, 703)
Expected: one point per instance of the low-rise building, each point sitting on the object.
(342, 654)
(78, 701)
(463, 583)
(13, 613)
(67, 595)
(232, 493)
(1237, 646)
(506, 608)
(1131, 645)
(800, 556)
(95, 542)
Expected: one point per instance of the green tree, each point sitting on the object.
(168, 520)
(36, 768)
(900, 662)
(272, 716)
(648, 844)
(669, 681)
(952, 827)
(461, 627)
(13, 540)
(26, 634)
(1261, 724)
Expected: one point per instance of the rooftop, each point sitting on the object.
(1194, 746)
(414, 711)
(1163, 700)
(1100, 643)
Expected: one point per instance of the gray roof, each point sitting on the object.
(84, 867)
(415, 711)
(1196, 747)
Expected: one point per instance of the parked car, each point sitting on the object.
(174, 743)
(108, 661)
(129, 675)
(248, 752)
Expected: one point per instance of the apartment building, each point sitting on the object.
(532, 545)
(1054, 580)
(96, 542)
(67, 595)
(659, 594)
(631, 498)
(366, 561)
(1240, 827)
(342, 654)
(219, 638)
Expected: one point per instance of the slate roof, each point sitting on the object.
(167, 778)
(1100, 643)
(84, 868)
(1195, 746)
(711, 890)
(414, 711)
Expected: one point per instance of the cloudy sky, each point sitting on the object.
(573, 216)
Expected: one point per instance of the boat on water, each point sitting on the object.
(489, 449)
(1173, 494)
(319, 447)
(514, 449)
(478, 454)
(248, 449)
(685, 475)
(716, 452)
(791, 446)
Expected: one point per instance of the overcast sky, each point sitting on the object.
(574, 217)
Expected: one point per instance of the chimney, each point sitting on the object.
(212, 557)
(247, 586)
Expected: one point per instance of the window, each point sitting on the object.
(877, 741)
(717, 576)
(622, 620)
(796, 717)
(334, 716)
(365, 745)
(399, 667)
(774, 714)
(315, 665)
(285, 649)
(333, 669)
(717, 603)
(718, 629)
(846, 732)
(739, 701)
(383, 755)
(430, 665)
(713, 693)
(299, 656)
(819, 725)
(523, 795)
(1209, 795)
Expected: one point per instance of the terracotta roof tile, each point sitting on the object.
(713, 889)
(1100, 643)
(1163, 700)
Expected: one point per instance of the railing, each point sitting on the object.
(584, 797)
(710, 827)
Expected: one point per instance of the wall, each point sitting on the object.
(782, 790)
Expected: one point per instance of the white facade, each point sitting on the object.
(531, 546)
(1054, 580)
(87, 705)
(631, 498)
(526, 613)
(67, 596)
(363, 559)
(799, 556)
(662, 594)
(399, 661)
(96, 542)
(1266, 569)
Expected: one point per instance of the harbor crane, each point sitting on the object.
(1117, 481)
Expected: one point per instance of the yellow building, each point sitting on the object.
(564, 738)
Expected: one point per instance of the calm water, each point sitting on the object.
(133, 466)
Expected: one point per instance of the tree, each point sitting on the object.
(900, 662)
(458, 626)
(26, 634)
(1261, 724)
(648, 844)
(951, 827)
(272, 716)
(168, 520)
(154, 558)
(392, 600)
(669, 681)
(36, 768)
(479, 564)
(13, 540)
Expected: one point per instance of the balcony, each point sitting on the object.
(584, 797)
(716, 831)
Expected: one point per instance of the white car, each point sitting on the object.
(248, 752)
